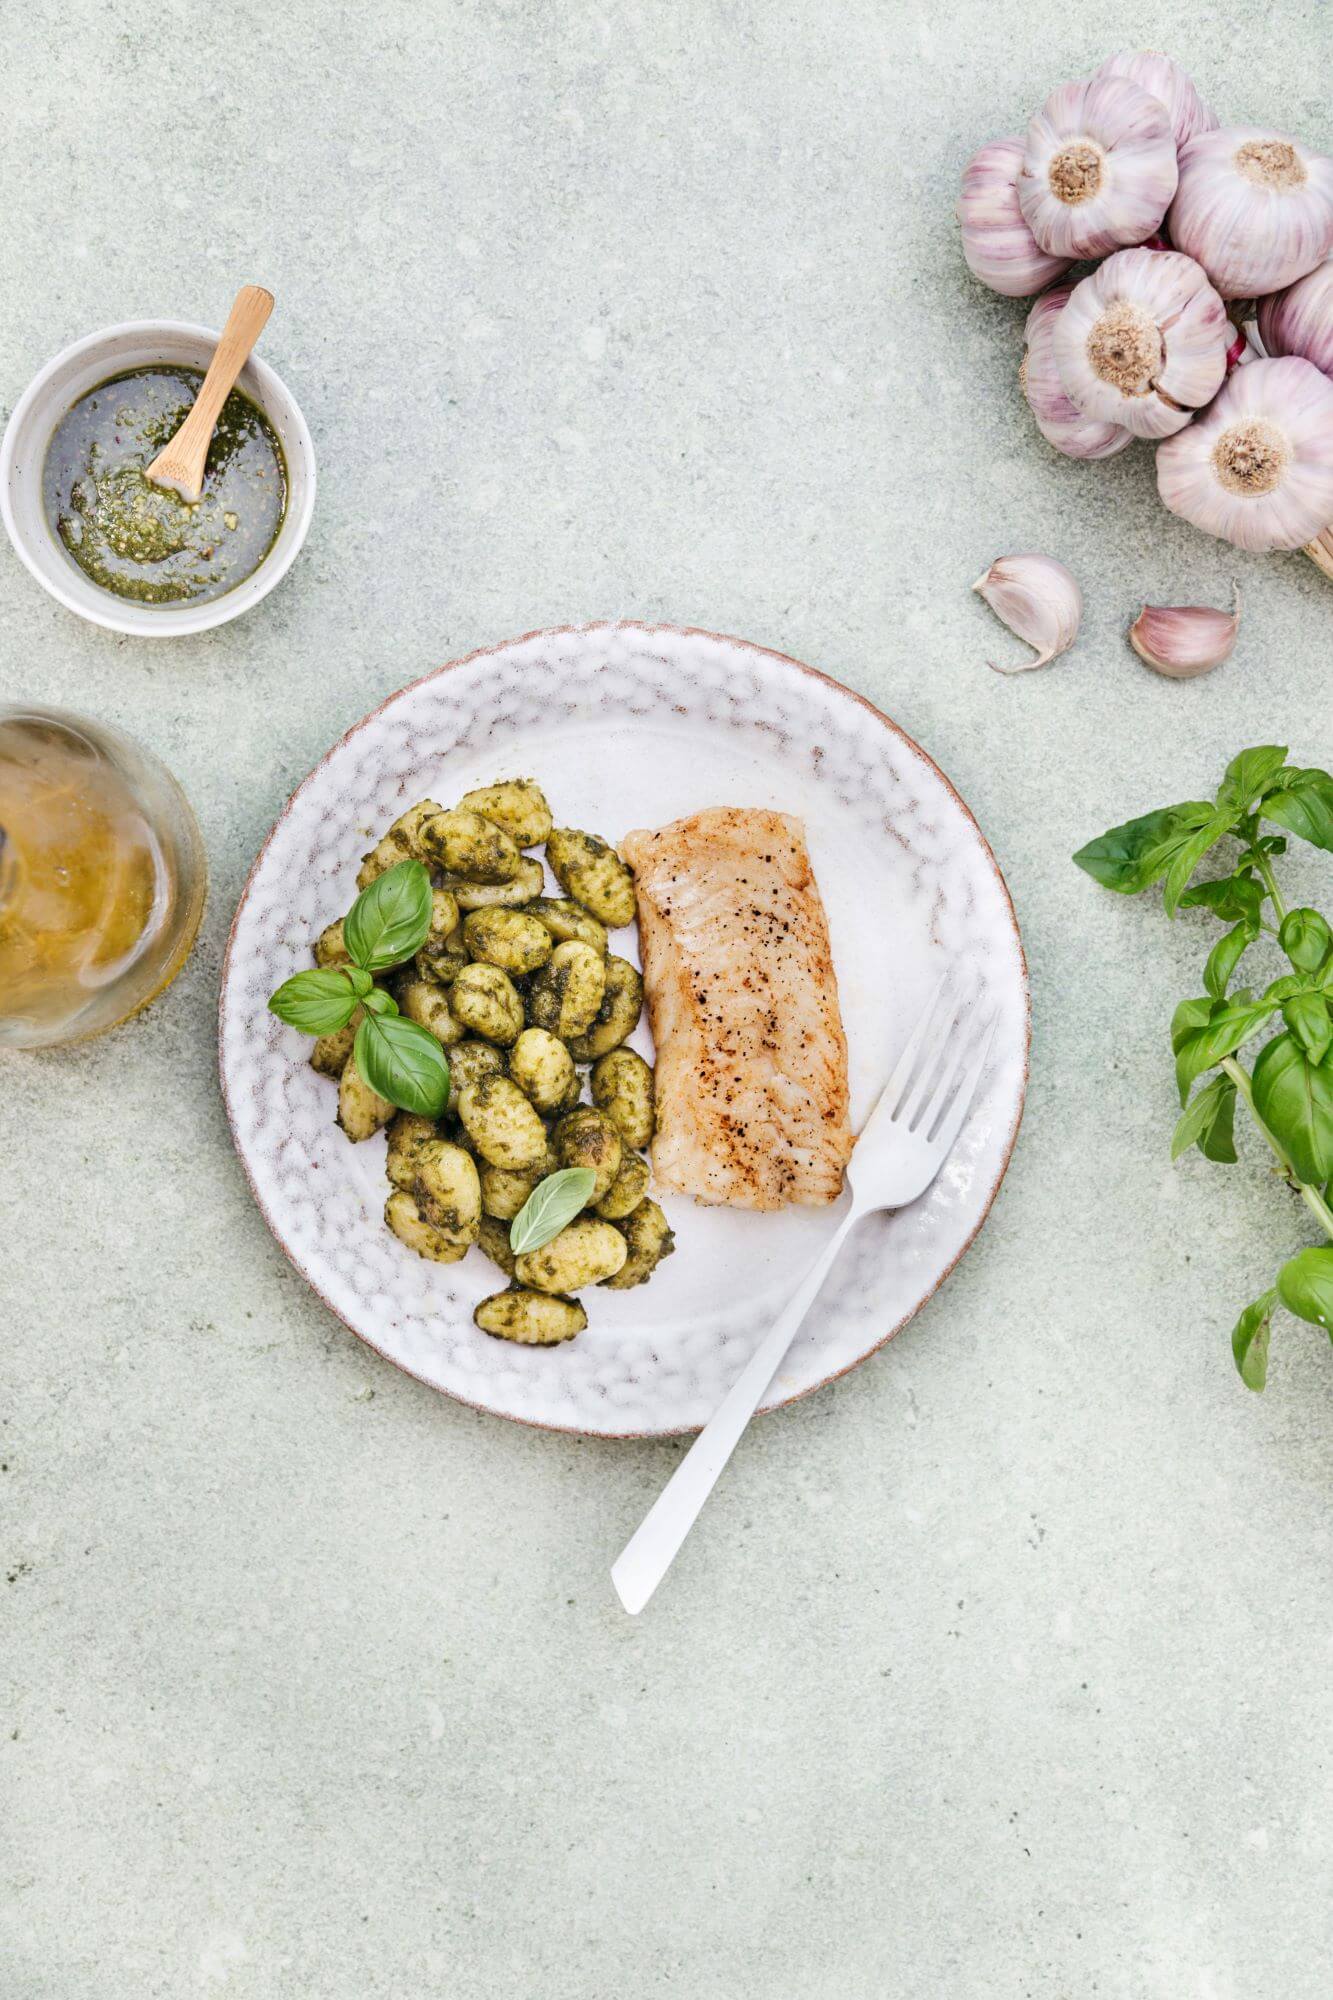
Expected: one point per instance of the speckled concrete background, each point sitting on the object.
(998, 1670)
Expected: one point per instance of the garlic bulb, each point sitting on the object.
(1300, 319)
(1037, 598)
(999, 247)
(1099, 167)
(1255, 209)
(1184, 640)
(1143, 342)
(1168, 83)
(1257, 467)
(1060, 422)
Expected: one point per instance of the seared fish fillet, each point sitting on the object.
(751, 1055)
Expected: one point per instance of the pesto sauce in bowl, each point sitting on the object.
(143, 541)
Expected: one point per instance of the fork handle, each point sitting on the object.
(648, 1556)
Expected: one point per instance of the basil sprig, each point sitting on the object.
(399, 1059)
(552, 1203)
(1289, 1090)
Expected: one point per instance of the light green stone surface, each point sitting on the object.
(1000, 1670)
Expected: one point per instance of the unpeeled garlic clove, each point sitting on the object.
(1184, 640)
(1143, 342)
(1169, 84)
(1037, 598)
(999, 247)
(1256, 468)
(1099, 167)
(1060, 421)
(1254, 208)
(1299, 320)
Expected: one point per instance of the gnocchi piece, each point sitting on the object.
(428, 1004)
(448, 1191)
(361, 1111)
(487, 1003)
(534, 1318)
(499, 895)
(410, 1227)
(331, 946)
(567, 920)
(466, 844)
(622, 1090)
(626, 1191)
(505, 1189)
(586, 1252)
(649, 1237)
(618, 1015)
(401, 843)
(519, 806)
(586, 1139)
(443, 962)
(593, 874)
(331, 1053)
(468, 1061)
(493, 1242)
(507, 938)
(502, 1124)
(567, 992)
(408, 1134)
(543, 1069)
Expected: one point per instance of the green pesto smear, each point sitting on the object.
(140, 540)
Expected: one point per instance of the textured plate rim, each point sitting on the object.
(682, 631)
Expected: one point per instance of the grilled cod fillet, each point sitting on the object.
(751, 1056)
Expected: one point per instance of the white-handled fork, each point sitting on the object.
(904, 1143)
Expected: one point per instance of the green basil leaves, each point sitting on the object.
(318, 1003)
(403, 1062)
(388, 921)
(554, 1202)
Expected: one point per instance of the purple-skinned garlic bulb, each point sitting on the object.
(1165, 80)
(999, 247)
(1143, 342)
(1254, 208)
(1060, 421)
(1099, 167)
(1256, 468)
(1299, 320)
(1183, 641)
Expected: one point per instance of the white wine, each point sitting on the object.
(102, 878)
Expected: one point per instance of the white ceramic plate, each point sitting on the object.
(625, 726)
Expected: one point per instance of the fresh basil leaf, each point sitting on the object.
(1234, 897)
(1283, 988)
(1302, 802)
(1188, 856)
(554, 1202)
(1294, 1098)
(388, 921)
(377, 1001)
(1249, 774)
(360, 978)
(1249, 1341)
(1305, 1285)
(403, 1062)
(1209, 1122)
(317, 1002)
(1307, 1016)
(1272, 843)
(1132, 857)
(1224, 957)
(1305, 937)
(1199, 1046)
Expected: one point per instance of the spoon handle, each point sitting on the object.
(180, 463)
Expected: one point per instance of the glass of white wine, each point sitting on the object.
(102, 877)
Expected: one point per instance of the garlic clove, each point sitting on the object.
(999, 247)
(1254, 208)
(1184, 640)
(1060, 421)
(1169, 84)
(1037, 598)
(1256, 468)
(1299, 320)
(1143, 342)
(1099, 167)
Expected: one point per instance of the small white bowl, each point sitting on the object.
(141, 343)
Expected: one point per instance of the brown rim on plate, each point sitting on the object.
(762, 652)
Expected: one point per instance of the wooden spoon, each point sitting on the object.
(180, 464)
